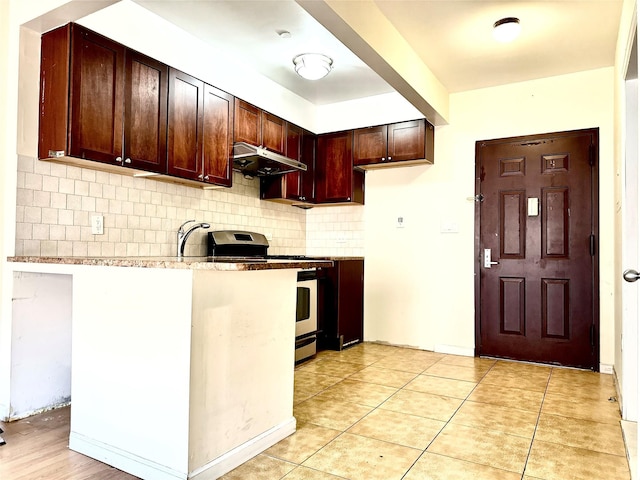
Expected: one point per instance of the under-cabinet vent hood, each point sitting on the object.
(254, 161)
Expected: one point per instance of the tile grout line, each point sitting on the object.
(447, 422)
(544, 395)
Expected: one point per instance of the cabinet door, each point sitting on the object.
(334, 168)
(293, 180)
(184, 139)
(406, 141)
(97, 97)
(145, 113)
(55, 57)
(217, 138)
(340, 295)
(309, 148)
(274, 131)
(370, 145)
(247, 123)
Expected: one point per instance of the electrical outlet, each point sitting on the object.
(97, 225)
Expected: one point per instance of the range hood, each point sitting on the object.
(254, 161)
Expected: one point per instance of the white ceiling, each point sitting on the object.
(453, 38)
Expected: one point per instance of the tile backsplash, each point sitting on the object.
(55, 203)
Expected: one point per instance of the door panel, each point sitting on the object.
(537, 215)
(97, 97)
(145, 114)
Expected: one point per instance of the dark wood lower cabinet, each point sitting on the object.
(340, 300)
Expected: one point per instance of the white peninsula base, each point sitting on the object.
(181, 373)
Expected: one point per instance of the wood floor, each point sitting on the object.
(37, 448)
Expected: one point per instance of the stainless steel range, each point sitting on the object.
(240, 244)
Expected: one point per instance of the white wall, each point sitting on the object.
(41, 343)
(418, 281)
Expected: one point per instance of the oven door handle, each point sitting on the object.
(303, 342)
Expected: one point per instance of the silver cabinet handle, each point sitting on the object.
(388, 158)
(487, 258)
(206, 177)
(631, 275)
(119, 159)
(201, 176)
(383, 159)
(127, 160)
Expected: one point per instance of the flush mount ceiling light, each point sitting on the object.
(506, 29)
(312, 66)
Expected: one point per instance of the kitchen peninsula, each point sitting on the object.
(181, 367)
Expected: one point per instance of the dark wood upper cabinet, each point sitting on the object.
(217, 145)
(247, 125)
(116, 110)
(294, 187)
(407, 142)
(145, 112)
(184, 141)
(260, 128)
(336, 180)
(200, 123)
(97, 97)
(274, 134)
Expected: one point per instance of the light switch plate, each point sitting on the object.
(400, 221)
(532, 206)
(97, 225)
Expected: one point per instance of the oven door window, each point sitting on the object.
(303, 309)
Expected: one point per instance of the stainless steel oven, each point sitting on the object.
(253, 246)
(306, 315)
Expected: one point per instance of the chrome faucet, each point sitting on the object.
(182, 235)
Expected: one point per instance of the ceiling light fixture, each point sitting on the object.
(312, 66)
(506, 29)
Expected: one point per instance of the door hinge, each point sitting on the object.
(592, 335)
(592, 245)
(592, 155)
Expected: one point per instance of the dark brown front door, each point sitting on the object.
(537, 218)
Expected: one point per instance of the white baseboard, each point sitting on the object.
(606, 368)
(122, 459)
(150, 470)
(453, 350)
(242, 453)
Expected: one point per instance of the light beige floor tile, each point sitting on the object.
(476, 362)
(261, 467)
(401, 428)
(441, 386)
(356, 457)
(582, 384)
(332, 368)
(383, 376)
(306, 441)
(507, 397)
(333, 414)
(601, 411)
(427, 405)
(306, 385)
(551, 461)
(437, 467)
(599, 437)
(359, 356)
(404, 364)
(487, 447)
(536, 382)
(304, 473)
(469, 374)
(363, 393)
(494, 417)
